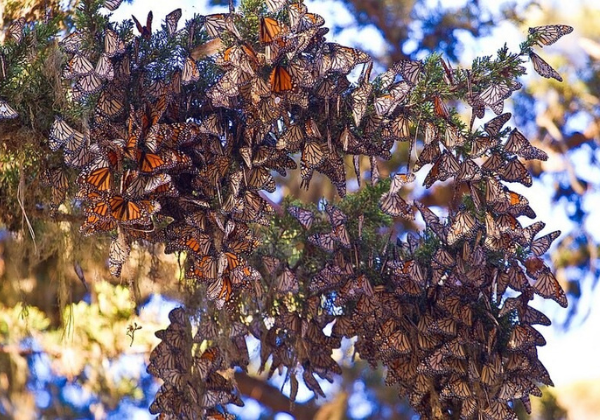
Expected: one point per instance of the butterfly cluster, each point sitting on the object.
(178, 149)
(193, 386)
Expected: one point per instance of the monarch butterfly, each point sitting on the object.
(125, 210)
(220, 290)
(306, 22)
(271, 264)
(270, 30)
(81, 157)
(199, 244)
(494, 94)
(275, 5)
(494, 126)
(217, 23)
(409, 70)
(324, 241)
(6, 111)
(440, 109)
(482, 144)
(305, 217)
(89, 84)
(280, 79)
(469, 171)
(456, 388)
(172, 20)
(463, 225)
(445, 167)
(540, 245)
(72, 42)
(494, 163)
(287, 282)
(344, 59)
(360, 98)
(518, 144)
(445, 326)
(212, 398)
(394, 205)
(533, 316)
(104, 68)
(431, 133)
(145, 31)
(491, 370)
(400, 180)
(312, 154)
(261, 179)
(542, 68)
(190, 72)
(205, 269)
(432, 221)
(118, 253)
(63, 135)
(78, 66)
(109, 104)
(59, 184)
(113, 45)
(162, 358)
(384, 104)
(515, 171)
(498, 107)
(549, 34)
(15, 30)
(514, 277)
(112, 5)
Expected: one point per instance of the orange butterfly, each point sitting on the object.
(280, 79)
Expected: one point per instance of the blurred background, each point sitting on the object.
(74, 342)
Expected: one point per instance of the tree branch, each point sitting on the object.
(271, 397)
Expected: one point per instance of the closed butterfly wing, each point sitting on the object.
(548, 287)
(78, 66)
(190, 73)
(542, 68)
(464, 224)
(495, 93)
(89, 84)
(305, 217)
(6, 111)
(118, 253)
(394, 205)
(15, 30)
(324, 241)
(495, 125)
(104, 68)
(280, 79)
(360, 98)
(112, 5)
(113, 45)
(518, 144)
(409, 70)
(72, 42)
(172, 20)
(540, 245)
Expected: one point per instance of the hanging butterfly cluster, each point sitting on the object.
(192, 385)
(178, 148)
(432, 310)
